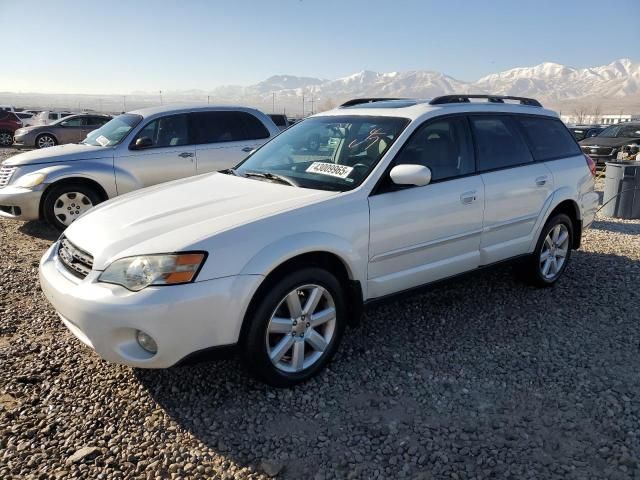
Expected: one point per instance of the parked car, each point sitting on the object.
(132, 151)
(46, 117)
(279, 254)
(281, 121)
(7, 108)
(607, 144)
(70, 129)
(9, 123)
(26, 119)
(580, 132)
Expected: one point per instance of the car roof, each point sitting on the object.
(183, 108)
(417, 108)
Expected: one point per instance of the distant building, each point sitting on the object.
(605, 119)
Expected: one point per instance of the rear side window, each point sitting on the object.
(548, 138)
(255, 128)
(279, 120)
(53, 116)
(498, 142)
(220, 126)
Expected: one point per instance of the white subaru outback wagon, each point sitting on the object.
(279, 254)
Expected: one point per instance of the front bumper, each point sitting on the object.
(24, 140)
(182, 319)
(20, 203)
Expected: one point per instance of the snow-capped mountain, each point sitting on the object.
(547, 81)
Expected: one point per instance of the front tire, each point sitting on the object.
(63, 204)
(552, 254)
(45, 140)
(295, 327)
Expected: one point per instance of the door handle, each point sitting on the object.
(541, 181)
(185, 154)
(468, 197)
(248, 149)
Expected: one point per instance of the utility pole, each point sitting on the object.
(124, 103)
(208, 98)
(312, 100)
(303, 105)
(273, 102)
(160, 97)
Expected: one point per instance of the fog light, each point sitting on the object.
(146, 342)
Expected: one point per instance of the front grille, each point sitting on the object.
(76, 261)
(5, 175)
(597, 150)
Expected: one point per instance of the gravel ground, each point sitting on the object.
(483, 377)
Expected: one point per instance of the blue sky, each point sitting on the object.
(123, 46)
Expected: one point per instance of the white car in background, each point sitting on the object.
(278, 255)
(134, 150)
(27, 119)
(46, 117)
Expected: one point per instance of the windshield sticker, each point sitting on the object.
(331, 169)
(102, 140)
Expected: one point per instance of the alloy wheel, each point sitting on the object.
(46, 141)
(6, 139)
(301, 328)
(554, 252)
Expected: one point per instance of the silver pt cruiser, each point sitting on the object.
(134, 150)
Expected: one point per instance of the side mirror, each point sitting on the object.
(142, 142)
(417, 175)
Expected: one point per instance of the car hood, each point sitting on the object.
(177, 215)
(607, 141)
(59, 153)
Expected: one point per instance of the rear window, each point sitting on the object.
(279, 120)
(548, 138)
(498, 142)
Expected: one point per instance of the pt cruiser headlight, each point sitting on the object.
(136, 273)
(30, 180)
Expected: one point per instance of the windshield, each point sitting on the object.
(621, 130)
(114, 131)
(326, 153)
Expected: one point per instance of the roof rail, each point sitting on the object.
(531, 102)
(360, 101)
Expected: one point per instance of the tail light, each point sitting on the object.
(591, 164)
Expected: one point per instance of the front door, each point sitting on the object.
(169, 154)
(422, 234)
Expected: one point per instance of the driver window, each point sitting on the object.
(166, 132)
(73, 122)
(444, 146)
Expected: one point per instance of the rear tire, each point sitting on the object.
(295, 328)
(6, 138)
(552, 254)
(64, 203)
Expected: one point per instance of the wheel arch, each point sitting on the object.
(46, 133)
(326, 260)
(73, 179)
(571, 209)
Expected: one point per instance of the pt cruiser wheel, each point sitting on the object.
(296, 327)
(63, 204)
(552, 253)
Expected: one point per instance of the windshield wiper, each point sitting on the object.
(271, 176)
(230, 171)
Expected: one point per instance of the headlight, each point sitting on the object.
(19, 131)
(136, 273)
(30, 180)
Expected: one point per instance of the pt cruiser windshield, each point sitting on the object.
(114, 131)
(325, 153)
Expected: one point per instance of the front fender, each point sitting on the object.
(99, 172)
(286, 248)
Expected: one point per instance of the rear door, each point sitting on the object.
(170, 155)
(225, 138)
(516, 187)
